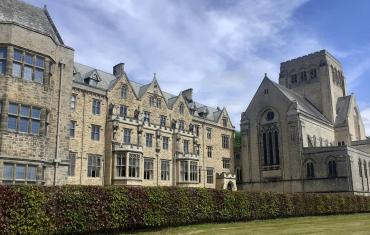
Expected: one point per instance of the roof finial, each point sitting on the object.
(155, 75)
(45, 7)
(265, 75)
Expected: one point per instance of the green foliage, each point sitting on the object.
(86, 209)
(238, 140)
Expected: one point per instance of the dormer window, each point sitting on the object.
(93, 79)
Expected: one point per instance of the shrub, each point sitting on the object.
(86, 209)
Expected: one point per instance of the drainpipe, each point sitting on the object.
(57, 160)
(204, 170)
(83, 134)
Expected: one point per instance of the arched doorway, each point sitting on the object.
(230, 186)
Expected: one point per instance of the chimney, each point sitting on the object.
(119, 70)
(188, 94)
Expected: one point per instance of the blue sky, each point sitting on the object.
(220, 48)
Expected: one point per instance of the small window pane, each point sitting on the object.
(28, 59)
(17, 70)
(31, 172)
(12, 123)
(13, 108)
(18, 55)
(8, 171)
(25, 111)
(40, 62)
(20, 172)
(27, 73)
(36, 113)
(2, 66)
(23, 125)
(39, 75)
(35, 128)
(3, 53)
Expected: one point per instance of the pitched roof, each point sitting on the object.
(303, 104)
(108, 80)
(26, 15)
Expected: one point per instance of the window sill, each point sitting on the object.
(24, 133)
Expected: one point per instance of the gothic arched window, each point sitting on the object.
(310, 171)
(332, 168)
(365, 169)
(124, 92)
(270, 141)
(360, 167)
(181, 108)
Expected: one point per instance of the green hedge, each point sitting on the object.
(84, 209)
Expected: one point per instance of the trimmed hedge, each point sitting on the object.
(84, 209)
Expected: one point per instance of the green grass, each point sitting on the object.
(337, 225)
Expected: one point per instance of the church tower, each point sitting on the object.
(318, 77)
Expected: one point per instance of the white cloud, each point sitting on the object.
(221, 49)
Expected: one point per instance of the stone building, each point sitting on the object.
(305, 134)
(35, 82)
(67, 123)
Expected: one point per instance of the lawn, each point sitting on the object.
(338, 224)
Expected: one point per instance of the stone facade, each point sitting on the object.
(305, 134)
(148, 137)
(34, 83)
(66, 123)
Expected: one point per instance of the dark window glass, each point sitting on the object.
(13, 108)
(36, 113)
(35, 128)
(27, 73)
(28, 59)
(3, 52)
(20, 172)
(40, 62)
(72, 164)
(25, 111)
(24, 125)
(18, 55)
(39, 75)
(265, 162)
(17, 70)
(2, 66)
(31, 172)
(121, 165)
(12, 123)
(8, 171)
(277, 157)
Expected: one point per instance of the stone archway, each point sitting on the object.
(230, 186)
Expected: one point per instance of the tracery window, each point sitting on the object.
(310, 170)
(270, 142)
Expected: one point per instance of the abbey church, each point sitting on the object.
(305, 133)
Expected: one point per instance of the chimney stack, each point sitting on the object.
(119, 70)
(188, 94)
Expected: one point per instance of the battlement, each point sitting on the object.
(321, 53)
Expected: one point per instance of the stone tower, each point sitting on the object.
(318, 77)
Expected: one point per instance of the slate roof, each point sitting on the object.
(108, 80)
(26, 15)
(303, 104)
